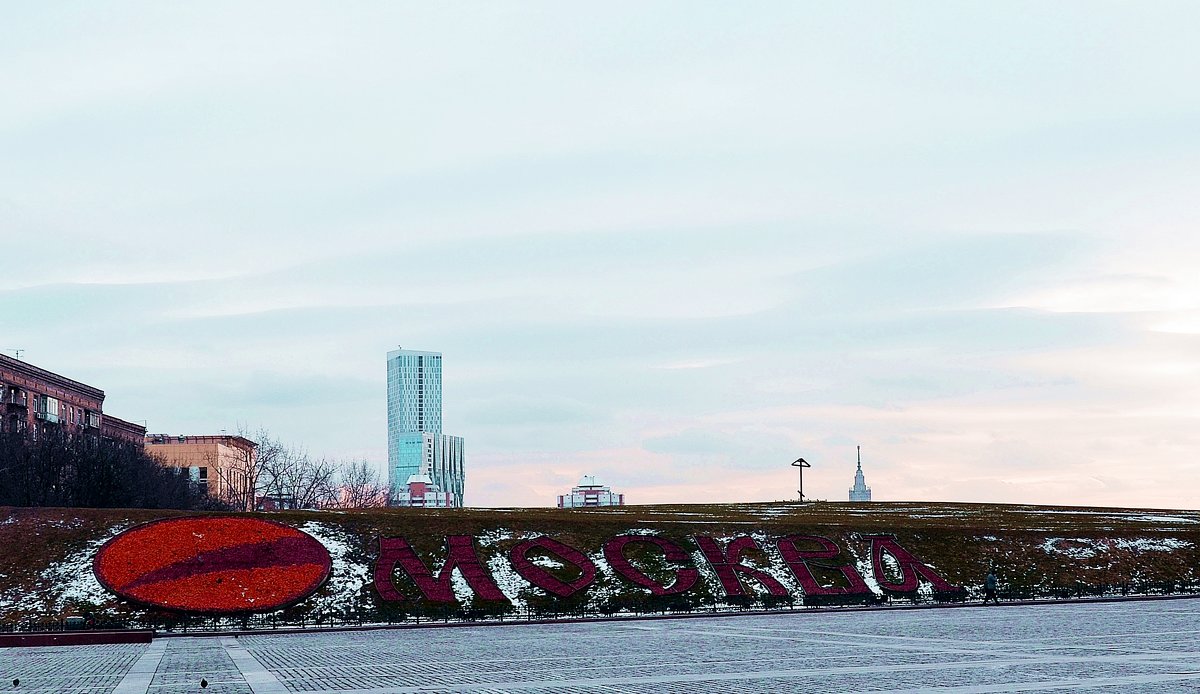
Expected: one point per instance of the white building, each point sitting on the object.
(421, 491)
(860, 491)
(590, 494)
(416, 444)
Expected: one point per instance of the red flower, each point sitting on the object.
(213, 564)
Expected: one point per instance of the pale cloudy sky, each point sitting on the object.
(675, 245)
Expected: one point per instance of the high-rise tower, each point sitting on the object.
(416, 444)
(860, 491)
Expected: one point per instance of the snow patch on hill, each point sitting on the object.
(509, 581)
(347, 576)
(1086, 548)
(73, 579)
(1157, 544)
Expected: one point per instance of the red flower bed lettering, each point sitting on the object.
(544, 579)
(216, 565)
(685, 578)
(797, 560)
(728, 564)
(460, 554)
(910, 568)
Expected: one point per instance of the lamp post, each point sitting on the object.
(801, 463)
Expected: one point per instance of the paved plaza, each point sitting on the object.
(1117, 647)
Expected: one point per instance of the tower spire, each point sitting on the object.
(860, 491)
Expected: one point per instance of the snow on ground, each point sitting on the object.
(674, 514)
(774, 566)
(1162, 519)
(1180, 517)
(863, 564)
(640, 531)
(9, 600)
(347, 577)
(714, 522)
(600, 591)
(546, 562)
(708, 576)
(1157, 544)
(769, 510)
(462, 590)
(1081, 548)
(1086, 547)
(786, 508)
(774, 559)
(74, 578)
(510, 582)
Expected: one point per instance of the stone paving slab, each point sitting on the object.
(67, 669)
(1112, 647)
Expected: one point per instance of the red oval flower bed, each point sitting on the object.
(213, 564)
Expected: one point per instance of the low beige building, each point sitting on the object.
(226, 465)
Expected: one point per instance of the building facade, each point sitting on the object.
(223, 465)
(420, 491)
(438, 456)
(416, 444)
(414, 391)
(590, 494)
(860, 491)
(35, 401)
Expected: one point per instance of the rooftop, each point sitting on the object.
(30, 371)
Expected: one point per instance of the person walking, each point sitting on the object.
(989, 588)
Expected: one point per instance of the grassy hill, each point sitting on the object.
(46, 554)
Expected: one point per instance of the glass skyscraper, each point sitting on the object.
(416, 444)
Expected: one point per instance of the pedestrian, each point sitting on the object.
(989, 588)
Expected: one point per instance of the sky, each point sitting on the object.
(672, 245)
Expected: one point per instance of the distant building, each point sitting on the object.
(218, 463)
(416, 444)
(860, 491)
(438, 456)
(274, 502)
(36, 401)
(420, 491)
(590, 494)
(120, 430)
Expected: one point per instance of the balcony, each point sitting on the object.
(15, 399)
(51, 417)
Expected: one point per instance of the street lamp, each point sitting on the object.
(801, 463)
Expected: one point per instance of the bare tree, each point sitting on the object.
(305, 482)
(273, 469)
(359, 486)
(237, 475)
(242, 472)
(291, 478)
